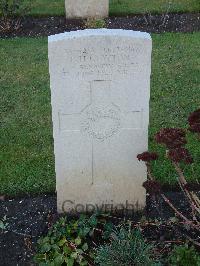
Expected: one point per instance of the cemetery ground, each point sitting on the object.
(45, 26)
(27, 164)
(27, 178)
(120, 7)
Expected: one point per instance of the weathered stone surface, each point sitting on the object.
(87, 8)
(100, 89)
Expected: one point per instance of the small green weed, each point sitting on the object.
(127, 247)
(3, 223)
(92, 23)
(184, 256)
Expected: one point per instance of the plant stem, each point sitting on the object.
(179, 213)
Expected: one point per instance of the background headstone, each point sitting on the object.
(100, 89)
(87, 8)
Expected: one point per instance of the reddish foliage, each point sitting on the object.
(152, 187)
(180, 155)
(194, 121)
(191, 187)
(147, 156)
(171, 137)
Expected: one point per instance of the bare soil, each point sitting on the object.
(32, 27)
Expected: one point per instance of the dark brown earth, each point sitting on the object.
(150, 23)
(29, 218)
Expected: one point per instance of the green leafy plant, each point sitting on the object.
(12, 12)
(65, 243)
(184, 256)
(93, 23)
(87, 225)
(3, 223)
(126, 247)
(73, 242)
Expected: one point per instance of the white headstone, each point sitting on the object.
(87, 8)
(100, 89)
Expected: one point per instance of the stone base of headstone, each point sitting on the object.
(87, 8)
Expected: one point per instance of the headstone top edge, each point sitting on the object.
(99, 32)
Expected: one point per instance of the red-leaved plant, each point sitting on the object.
(174, 139)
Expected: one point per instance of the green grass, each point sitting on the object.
(26, 144)
(26, 130)
(175, 92)
(119, 7)
(124, 7)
